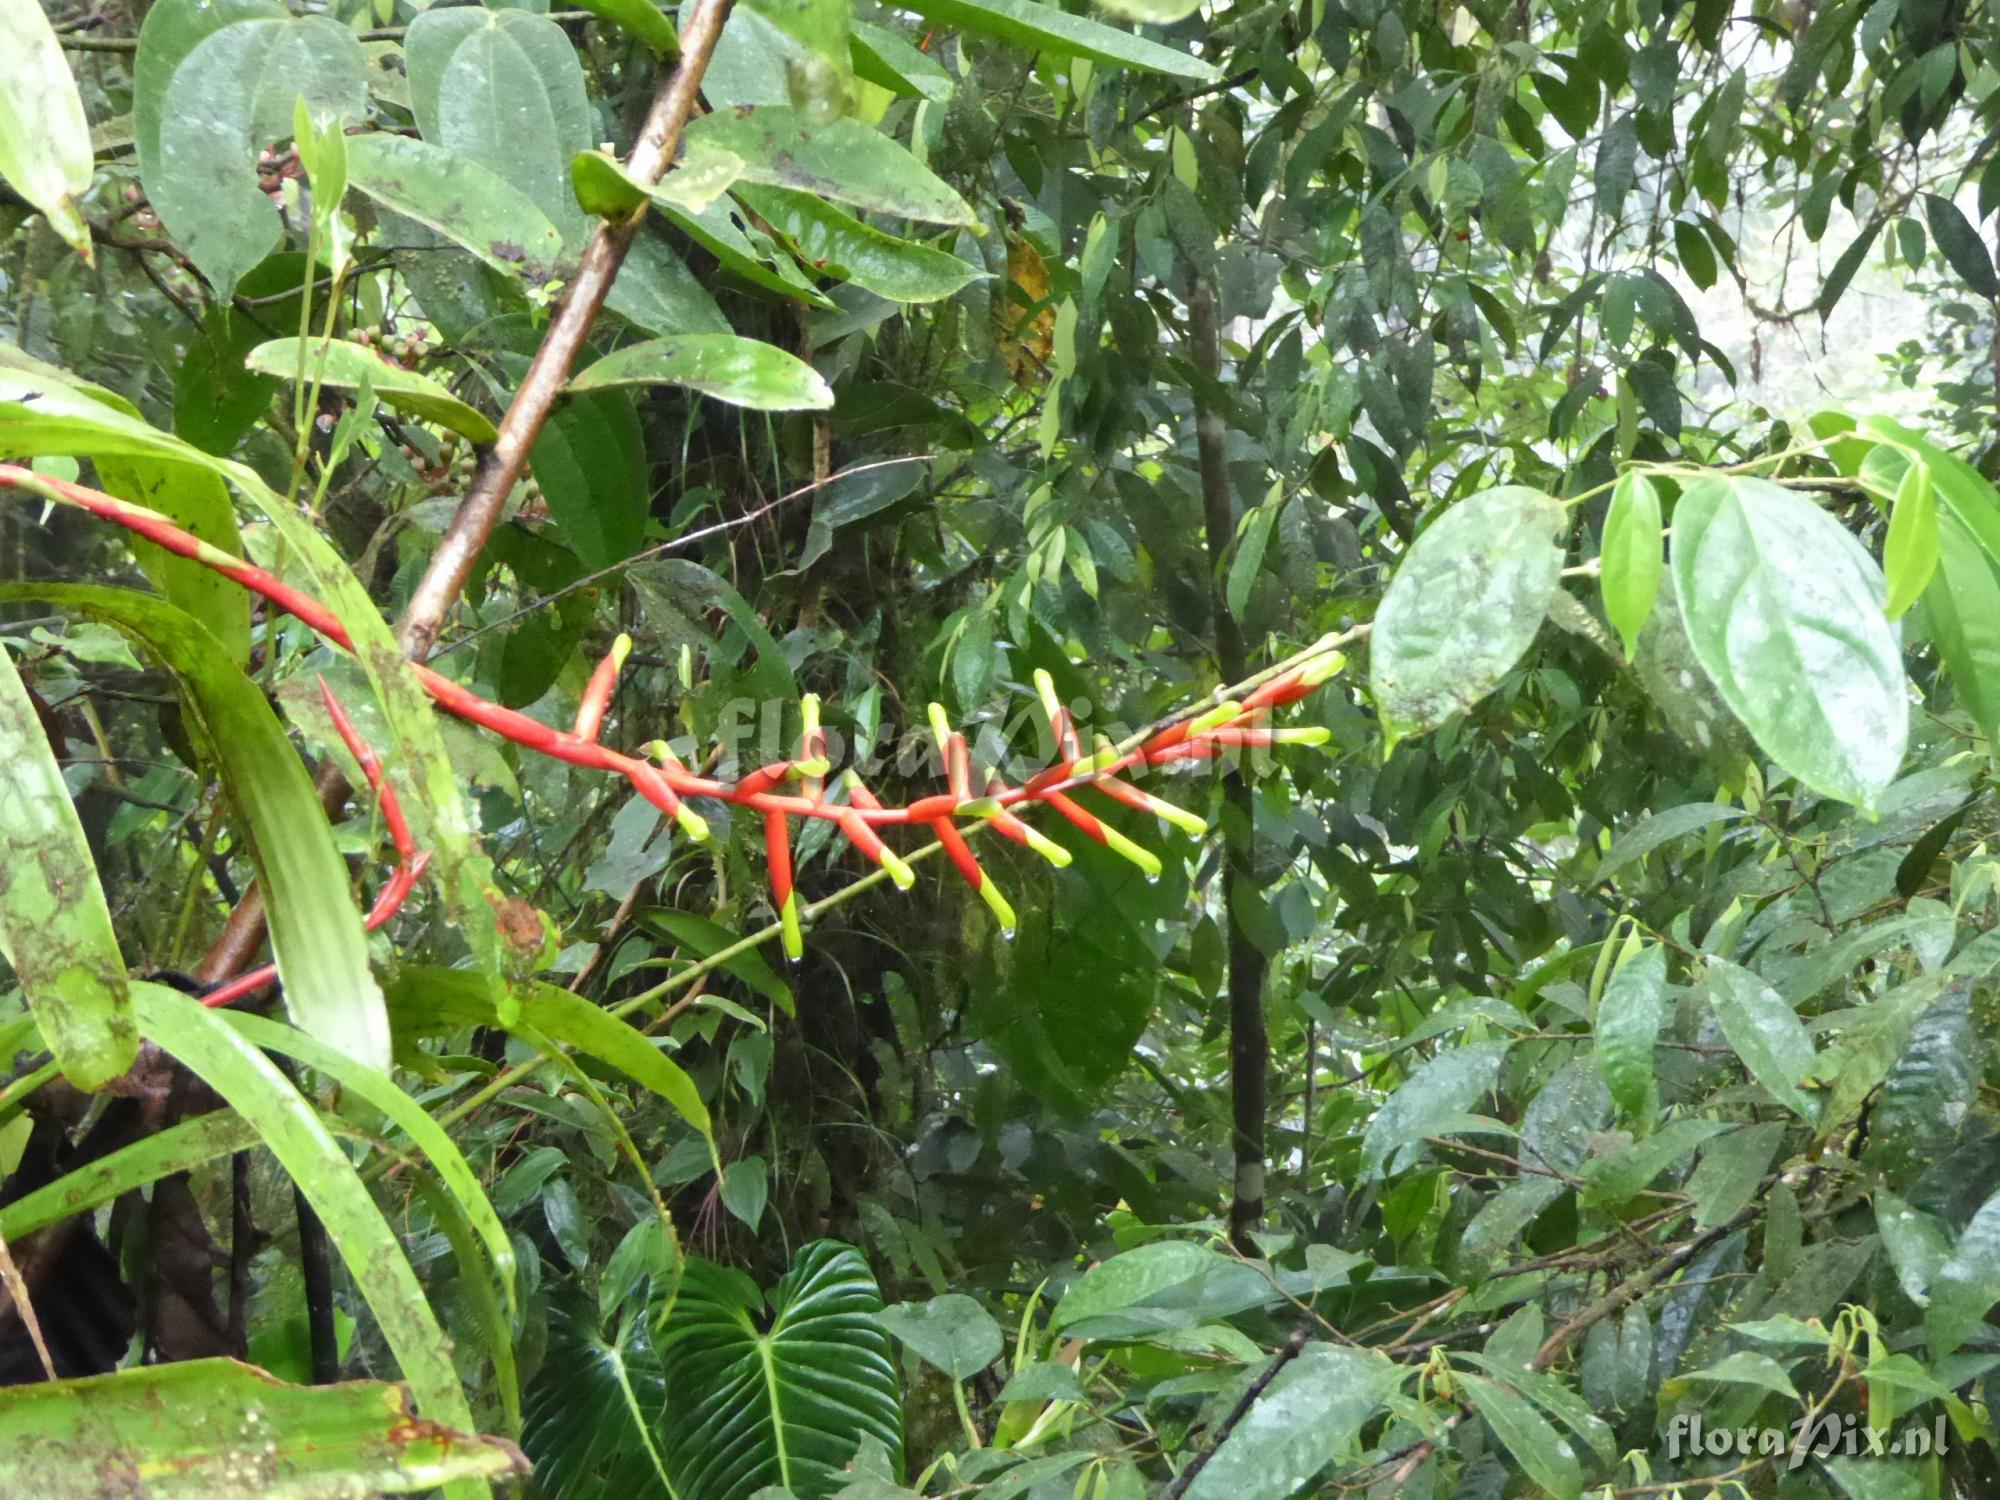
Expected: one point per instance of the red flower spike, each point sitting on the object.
(597, 696)
(778, 855)
(960, 854)
(866, 839)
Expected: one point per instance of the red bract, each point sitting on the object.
(669, 783)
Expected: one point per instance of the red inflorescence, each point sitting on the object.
(786, 789)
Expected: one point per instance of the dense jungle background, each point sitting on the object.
(1215, 750)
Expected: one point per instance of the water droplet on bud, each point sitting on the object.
(1152, 877)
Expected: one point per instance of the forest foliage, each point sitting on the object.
(996, 747)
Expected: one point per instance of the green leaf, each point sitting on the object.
(1465, 604)
(833, 241)
(427, 997)
(347, 366)
(1748, 1367)
(287, 1125)
(1543, 1453)
(55, 927)
(1844, 268)
(1961, 245)
(1048, 28)
(888, 60)
(1248, 558)
(316, 930)
(1929, 1090)
(744, 250)
(461, 200)
(1152, 12)
(1662, 828)
(1783, 609)
(1731, 1171)
(743, 372)
(503, 89)
(709, 938)
(182, 1426)
(1967, 1284)
(640, 17)
(178, 1148)
(591, 1415)
(1918, 1244)
(778, 1398)
(210, 87)
(1309, 1415)
(197, 501)
(746, 1189)
(1628, 1024)
(1625, 1172)
(702, 175)
(380, 1091)
(590, 460)
(952, 1332)
(1439, 1092)
(844, 160)
(1766, 1033)
(1170, 1284)
(45, 149)
(1633, 557)
(1910, 551)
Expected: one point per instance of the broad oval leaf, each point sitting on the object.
(844, 160)
(1162, 1286)
(952, 1332)
(1783, 610)
(743, 372)
(1465, 604)
(347, 366)
(784, 1400)
(44, 138)
(231, 92)
(1633, 558)
(1967, 1284)
(461, 200)
(1309, 1415)
(316, 931)
(55, 927)
(1766, 1033)
(1542, 1452)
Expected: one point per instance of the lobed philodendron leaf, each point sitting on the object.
(1783, 610)
(782, 1394)
(44, 138)
(55, 927)
(1464, 606)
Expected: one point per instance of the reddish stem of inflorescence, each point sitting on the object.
(785, 789)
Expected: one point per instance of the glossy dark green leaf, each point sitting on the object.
(1961, 245)
(1782, 607)
(642, 18)
(1309, 1415)
(1730, 1172)
(1628, 1024)
(1844, 268)
(590, 459)
(1766, 1033)
(1967, 1284)
(1464, 606)
(1929, 1090)
(1438, 1093)
(1540, 1451)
